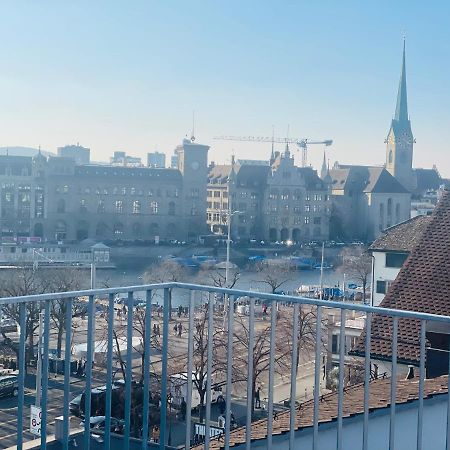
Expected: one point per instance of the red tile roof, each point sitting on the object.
(379, 397)
(423, 285)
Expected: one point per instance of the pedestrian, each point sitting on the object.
(258, 398)
(222, 405)
(183, 408)
(180, 329)
(175, 328)
(155, 434)
(180, 311)
(84, 368)
(159, 331)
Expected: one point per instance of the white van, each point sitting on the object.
(178, 390)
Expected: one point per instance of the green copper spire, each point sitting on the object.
(401, 110)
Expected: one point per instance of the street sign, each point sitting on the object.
(200, 430)
(35, 420)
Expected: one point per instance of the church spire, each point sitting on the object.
(324, 169)
(401, 110)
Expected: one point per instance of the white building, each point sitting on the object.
(390, 251)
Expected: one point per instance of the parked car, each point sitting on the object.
(9, 386)
(74, 406)
(98, 423)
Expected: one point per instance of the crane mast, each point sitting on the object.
(302, 144)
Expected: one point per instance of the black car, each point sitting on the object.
(9, 386)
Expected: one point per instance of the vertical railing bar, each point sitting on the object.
(229, 370)
(129, 370)
(393, 384)
(147, 359)
(109, 360)
(88, 373)
(190, 351)
(341, 378)
(421, 384)
(251, 344)
(317, 378)
(21, 377)
(209, 351)
(367, 381)
(447, 440)
(165, 350)
(45, 376)
(67, 358)
(273, 320)
(294, 366)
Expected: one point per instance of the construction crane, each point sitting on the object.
(302, 144)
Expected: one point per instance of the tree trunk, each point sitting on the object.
(201, 407)
(59, 341)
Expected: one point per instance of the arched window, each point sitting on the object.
(285, 194)
(397, 212)
(154, 230)
(137, 230)
(389, 207)
(38, 230)
(82, 230)
(101, 207)
(273, 194)
(60, 230)
(83, 207)
(171, 208)
(61, 206)
(390, 157)
(101, 230)
(381, 222)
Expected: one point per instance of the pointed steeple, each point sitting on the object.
(324, 169)
(401, 110)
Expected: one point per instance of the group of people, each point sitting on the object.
(9, 363)
(156, 330)
(182, 310)
(81, 368)
(178, 329)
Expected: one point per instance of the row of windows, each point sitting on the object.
(297, 196)
(119, 207)
(297, 209)
(123, 191)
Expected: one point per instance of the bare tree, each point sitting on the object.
(16, 283)
(63, 280)
(217, 278)
(357, 263)
(273, 277)
(166, 271)
(200, 355)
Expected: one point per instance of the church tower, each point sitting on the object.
(400, 140)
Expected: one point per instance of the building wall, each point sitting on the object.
(381, 273)
(56, 199)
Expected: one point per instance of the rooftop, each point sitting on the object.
(403, 236)
(422, 285)
(353, 404)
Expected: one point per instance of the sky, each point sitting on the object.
(127, 75)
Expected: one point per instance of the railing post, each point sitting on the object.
(20, 397)
(251, 345)
(367, 381)
(317, 378)
(294, 366)
(45, 376)
(165, 349)
(129, 371)
(273, 321)
(109, 375)
(67, 361)
(229, 370)
(147, 349)
(190, 352)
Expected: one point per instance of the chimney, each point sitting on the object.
(410, 374)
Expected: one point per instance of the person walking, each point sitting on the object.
(155, 434)
(180, 329)
(258, 398)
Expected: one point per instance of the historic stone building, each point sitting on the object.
(275, 201)
(56, 199)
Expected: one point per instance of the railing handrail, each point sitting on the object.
(229, 291)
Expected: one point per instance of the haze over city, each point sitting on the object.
(118, 77)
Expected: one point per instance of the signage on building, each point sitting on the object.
(35, 420)
(200, 430)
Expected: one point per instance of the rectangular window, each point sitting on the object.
(209, 205)
(395, 259)
(334, 344)
(209, 193)
(381, 287)
(307, 208)
(119, 206)
(317, 220)
(306, 220)
(216, 194)
(216, 205)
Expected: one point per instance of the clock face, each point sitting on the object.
(195, 165)
(406, 138)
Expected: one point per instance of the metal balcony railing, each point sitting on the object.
(200, 298)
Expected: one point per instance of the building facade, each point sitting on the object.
(156, 160)
(57, 200)
(276, 201)
(81, 155)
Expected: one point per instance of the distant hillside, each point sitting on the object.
(23, 151)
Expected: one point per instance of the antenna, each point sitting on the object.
(193, 127)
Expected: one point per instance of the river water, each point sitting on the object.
(248, 280)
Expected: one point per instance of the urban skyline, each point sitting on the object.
(129, 91)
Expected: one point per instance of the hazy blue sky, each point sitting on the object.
(126, 75)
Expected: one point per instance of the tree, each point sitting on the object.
(273, 277)
(16, 283)
(166, 271)
(357, 264)
(200, 355)
(63, 280)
